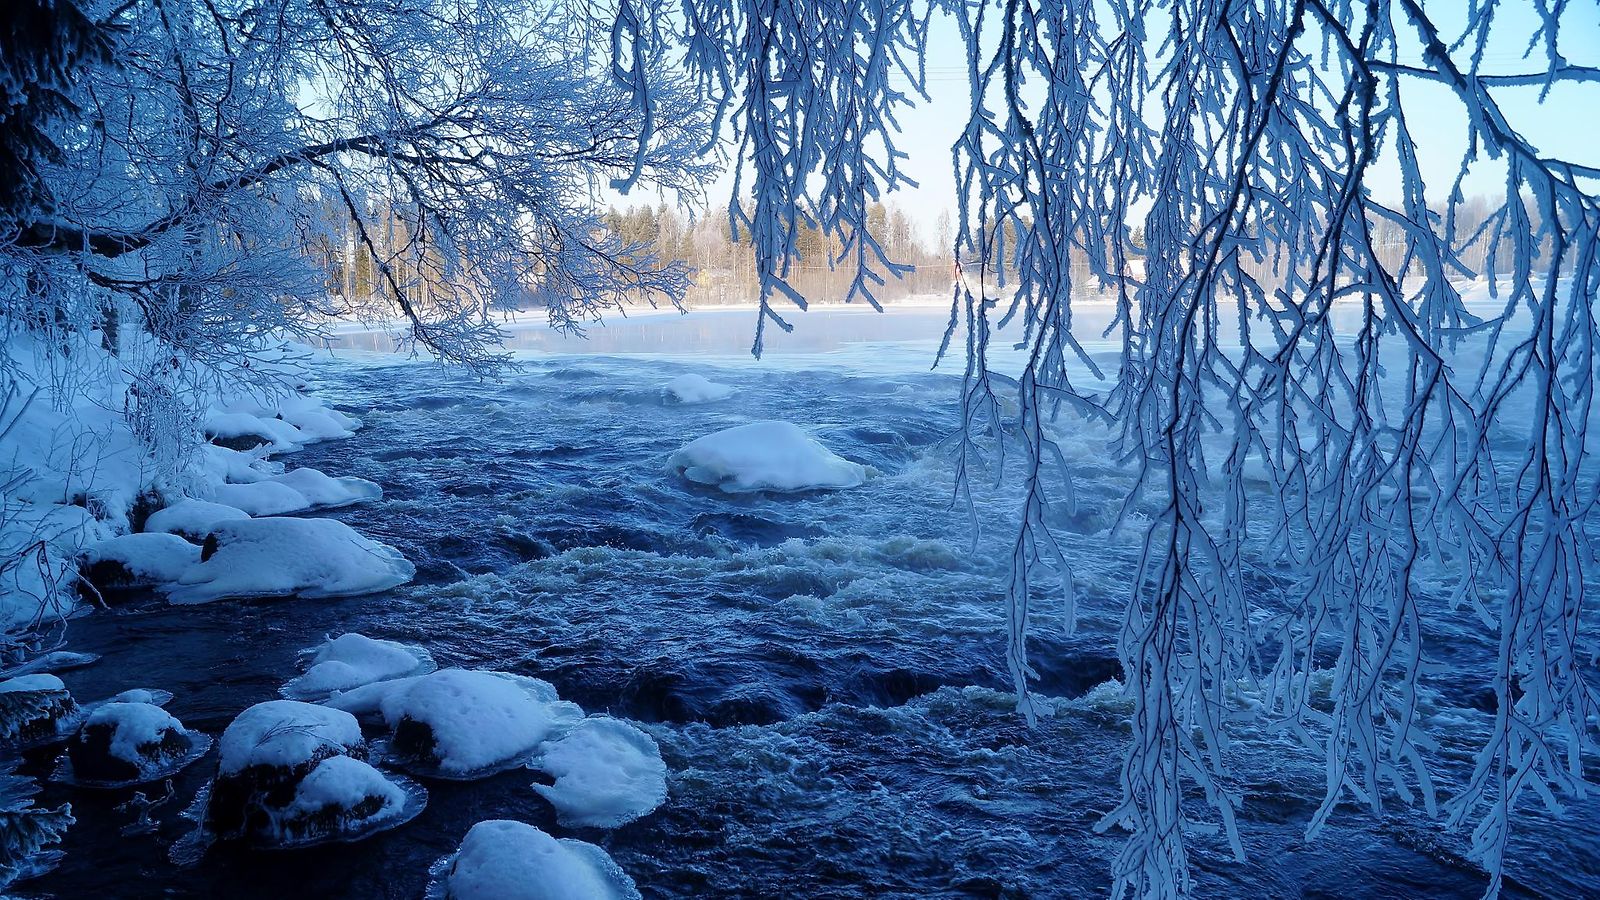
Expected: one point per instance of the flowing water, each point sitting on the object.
(823, 671)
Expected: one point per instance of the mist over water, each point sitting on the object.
(823, 671)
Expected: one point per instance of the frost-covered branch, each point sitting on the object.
(1304, 393)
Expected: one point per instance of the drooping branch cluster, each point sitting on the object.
(1323, 430)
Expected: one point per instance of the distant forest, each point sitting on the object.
(724, 271)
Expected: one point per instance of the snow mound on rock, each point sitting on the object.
(41, 711)
(607, 773)
(134, 725)
(241, 429)
(192, 519)
(692, 388)
(352, 660)
(278, 557)
(285, 734)
(505, 860)
(40, 682)
(224, 464)
(462, 721)
(141, 558)
(764, 456)
(261, 498)
(341, 783)
(323, 490)
(313, 418)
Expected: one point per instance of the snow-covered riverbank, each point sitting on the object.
(99, 478)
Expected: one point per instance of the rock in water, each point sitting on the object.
(127, 743)
(764, 456)
(457, 723)
(341, 796)
(36, 710)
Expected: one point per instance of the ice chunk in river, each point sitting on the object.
(192, 519)
(275, 557)
(352, 660)
(694, 388)
(138, 559)
(505, 860)
(607, 773)
(765, 456)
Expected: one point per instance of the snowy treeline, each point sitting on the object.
(724, 269)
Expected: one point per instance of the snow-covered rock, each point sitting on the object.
(275, 786)
(505, 860)
(317, 424)
(225, 464)
(154, 697)
(765, 456)
(35, 710)
(607, 773)
(243, 431)
(129, 742)
(459, 723)
(326, 491)
(314, 419)
(340, 796)
(132, 560)
(692, 388)
(282, 734)
(352, 660)
(277, 557)
(262, 498)
(192, 519)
